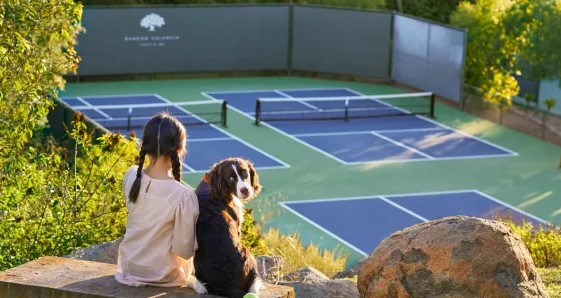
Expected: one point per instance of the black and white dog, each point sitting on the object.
(222, 265)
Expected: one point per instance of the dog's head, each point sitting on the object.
(233, 177)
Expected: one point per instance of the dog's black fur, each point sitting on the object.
(222, 264)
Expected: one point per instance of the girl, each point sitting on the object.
(159, 242)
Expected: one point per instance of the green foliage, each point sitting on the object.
(297, 256)
(54, 196)
(529, 98)
(498, 30)
(436, 10)
(363, 4)
(64, 199)
(36, 49)
(550, 104)
(542, 50)
(551, 277)
(251, 234)
(544, 244)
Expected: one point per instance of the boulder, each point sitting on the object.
(269, 267)
(311, 283)
(106, 252)
(352, 272)
(451, 257)
(305, 274)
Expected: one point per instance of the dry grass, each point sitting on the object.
(297, 256)
(551, 277)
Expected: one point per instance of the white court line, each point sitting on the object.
(95, 109)
(299, 101)
(324, 230)
(471, 136)
(403, 145)
(439, 127)
(450, 128)
(364, 132)
(396, 205)
(209, 139)
(386, 198)
(284, 165)
(383, 195)
(118, 95)
(510, 206)
(239, 91)
(188, 167)
(287, 135)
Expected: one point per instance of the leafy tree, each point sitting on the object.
(54, 196)
(549, 104)
(498, 30)
(542, 50)
(529, 98)
(436, 10)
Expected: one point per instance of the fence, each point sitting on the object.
(146, 40)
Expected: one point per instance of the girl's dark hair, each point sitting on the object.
(163, 135)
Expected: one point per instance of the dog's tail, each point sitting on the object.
(194, 283)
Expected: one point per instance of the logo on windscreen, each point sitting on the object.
(152, 21)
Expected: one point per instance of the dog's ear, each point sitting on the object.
(213, 179)
(217, 181)
(254, 179)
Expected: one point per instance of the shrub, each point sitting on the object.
(551, 278)
(57, 200)
(297, 256)
(544, 244)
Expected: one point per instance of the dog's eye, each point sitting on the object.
(231, 179)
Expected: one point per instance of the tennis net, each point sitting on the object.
(135, 116)
(344, 108)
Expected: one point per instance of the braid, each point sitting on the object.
(135, 189)
(175, 165)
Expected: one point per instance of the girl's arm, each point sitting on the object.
(184, 241)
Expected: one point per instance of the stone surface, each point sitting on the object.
(269, 267)
(328, 288)
(352, 272)
(305, 274)
(106, 252)
(451, 257)
(50, 277)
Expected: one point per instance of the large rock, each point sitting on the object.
(105, 252)
(352, 272)
(311, 283)
(451, 257)
(269, 267)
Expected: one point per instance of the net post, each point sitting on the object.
(257, 111)
(129, 119)
(432, 104)
(347, 109)
(224, 113)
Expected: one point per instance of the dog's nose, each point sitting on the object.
(244, 191)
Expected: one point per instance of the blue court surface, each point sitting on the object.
(207, 143)
(362, 223)
(364, 139)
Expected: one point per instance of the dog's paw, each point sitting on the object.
(256, 286)
(195, 284)
(200, 288)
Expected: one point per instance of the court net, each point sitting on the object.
(344, 108)
(135, 116)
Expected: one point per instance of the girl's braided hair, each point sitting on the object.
(163, 135)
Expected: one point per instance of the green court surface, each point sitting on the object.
(530, 181)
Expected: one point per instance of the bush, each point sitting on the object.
(251, 235)
(551, 278)
(59, 199)
(297, 256)
(544, 244)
